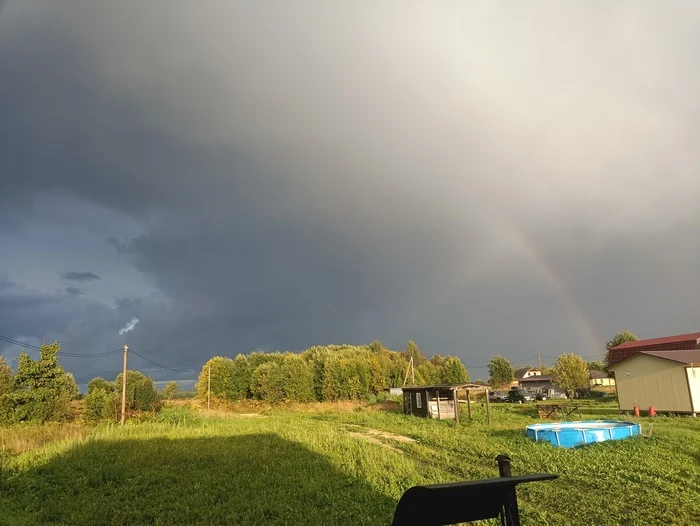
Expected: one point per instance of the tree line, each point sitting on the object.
(570, 372)
(324, 373)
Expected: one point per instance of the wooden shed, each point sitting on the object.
(668, 381)
(439, 401)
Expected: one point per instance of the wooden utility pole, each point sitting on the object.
(539, 359)
(126, 351)
(410, 367)
(208, 387)
(488, 408)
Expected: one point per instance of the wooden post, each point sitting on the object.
(126, 351)
(209, 388)
(437, 395)
(455, 400)
(469, 404)
(488, 408)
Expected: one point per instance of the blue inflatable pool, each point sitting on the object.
(572, 434)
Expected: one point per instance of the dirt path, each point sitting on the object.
(376, 436)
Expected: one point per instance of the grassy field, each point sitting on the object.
(334, 467)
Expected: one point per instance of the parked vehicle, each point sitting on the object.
(541, 396)
(520, 396)
(498, 396)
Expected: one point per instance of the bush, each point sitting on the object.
(141, 392)
(95, 402)
(288, 378)
(100, 383)
(40, 391)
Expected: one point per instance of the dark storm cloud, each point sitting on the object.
(329, 173)
(73, 275)
(74, 291)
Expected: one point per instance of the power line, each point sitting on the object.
(21, 344)
(61, 353)
(159, 365)
(88, 355)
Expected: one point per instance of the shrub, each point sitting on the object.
(288, 378)
(170, 390)
(41, 391)
(95, 402)
(100, 383)
(141, 392)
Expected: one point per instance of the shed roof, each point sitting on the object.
(659, 341)
(538, 378)
(450, 387)
(684, 357)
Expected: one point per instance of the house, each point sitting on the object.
(437, 401)
(526, 372)
(681, 342)
(600, 379)
(542, 384)
(668, 381)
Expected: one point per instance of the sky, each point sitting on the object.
(480, 177)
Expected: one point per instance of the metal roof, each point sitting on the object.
(684, 357)
(659, 341)
(536, 378)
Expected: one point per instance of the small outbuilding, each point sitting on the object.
(439, 401)
(668, 381)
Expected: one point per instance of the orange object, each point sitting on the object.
(636, 411)
(652, 411)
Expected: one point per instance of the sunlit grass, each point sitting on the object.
(292, 467)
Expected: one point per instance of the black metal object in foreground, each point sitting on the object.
(440, 504)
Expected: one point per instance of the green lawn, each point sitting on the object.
(333, 468)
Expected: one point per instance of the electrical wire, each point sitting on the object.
(21, 344)
(159, 365)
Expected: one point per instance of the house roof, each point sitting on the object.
(519, 373)
(445, 386)
(659, 341)
(684, 357)
(595, 373)
(538, 378)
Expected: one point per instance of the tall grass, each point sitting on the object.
(333, 467)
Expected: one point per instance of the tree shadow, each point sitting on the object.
(250, 479)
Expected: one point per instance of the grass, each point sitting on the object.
(289, 466)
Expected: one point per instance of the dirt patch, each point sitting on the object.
(373, 440)
(374, 435)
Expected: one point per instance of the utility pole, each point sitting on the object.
(126, 351)
(539, 359)
(413, 377)
(209, 387)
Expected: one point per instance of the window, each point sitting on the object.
(419, 403)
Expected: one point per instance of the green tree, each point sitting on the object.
(95, 402)
(141, 392)
(620, 338)
(7, 377)
(570, 373)
(222, 372)
(453, 371)
(41, 390)
(596, 366)
(170, 390)
(500, 371)
(100, 383)
(413, 351)
(240, 380)
(376, 346)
